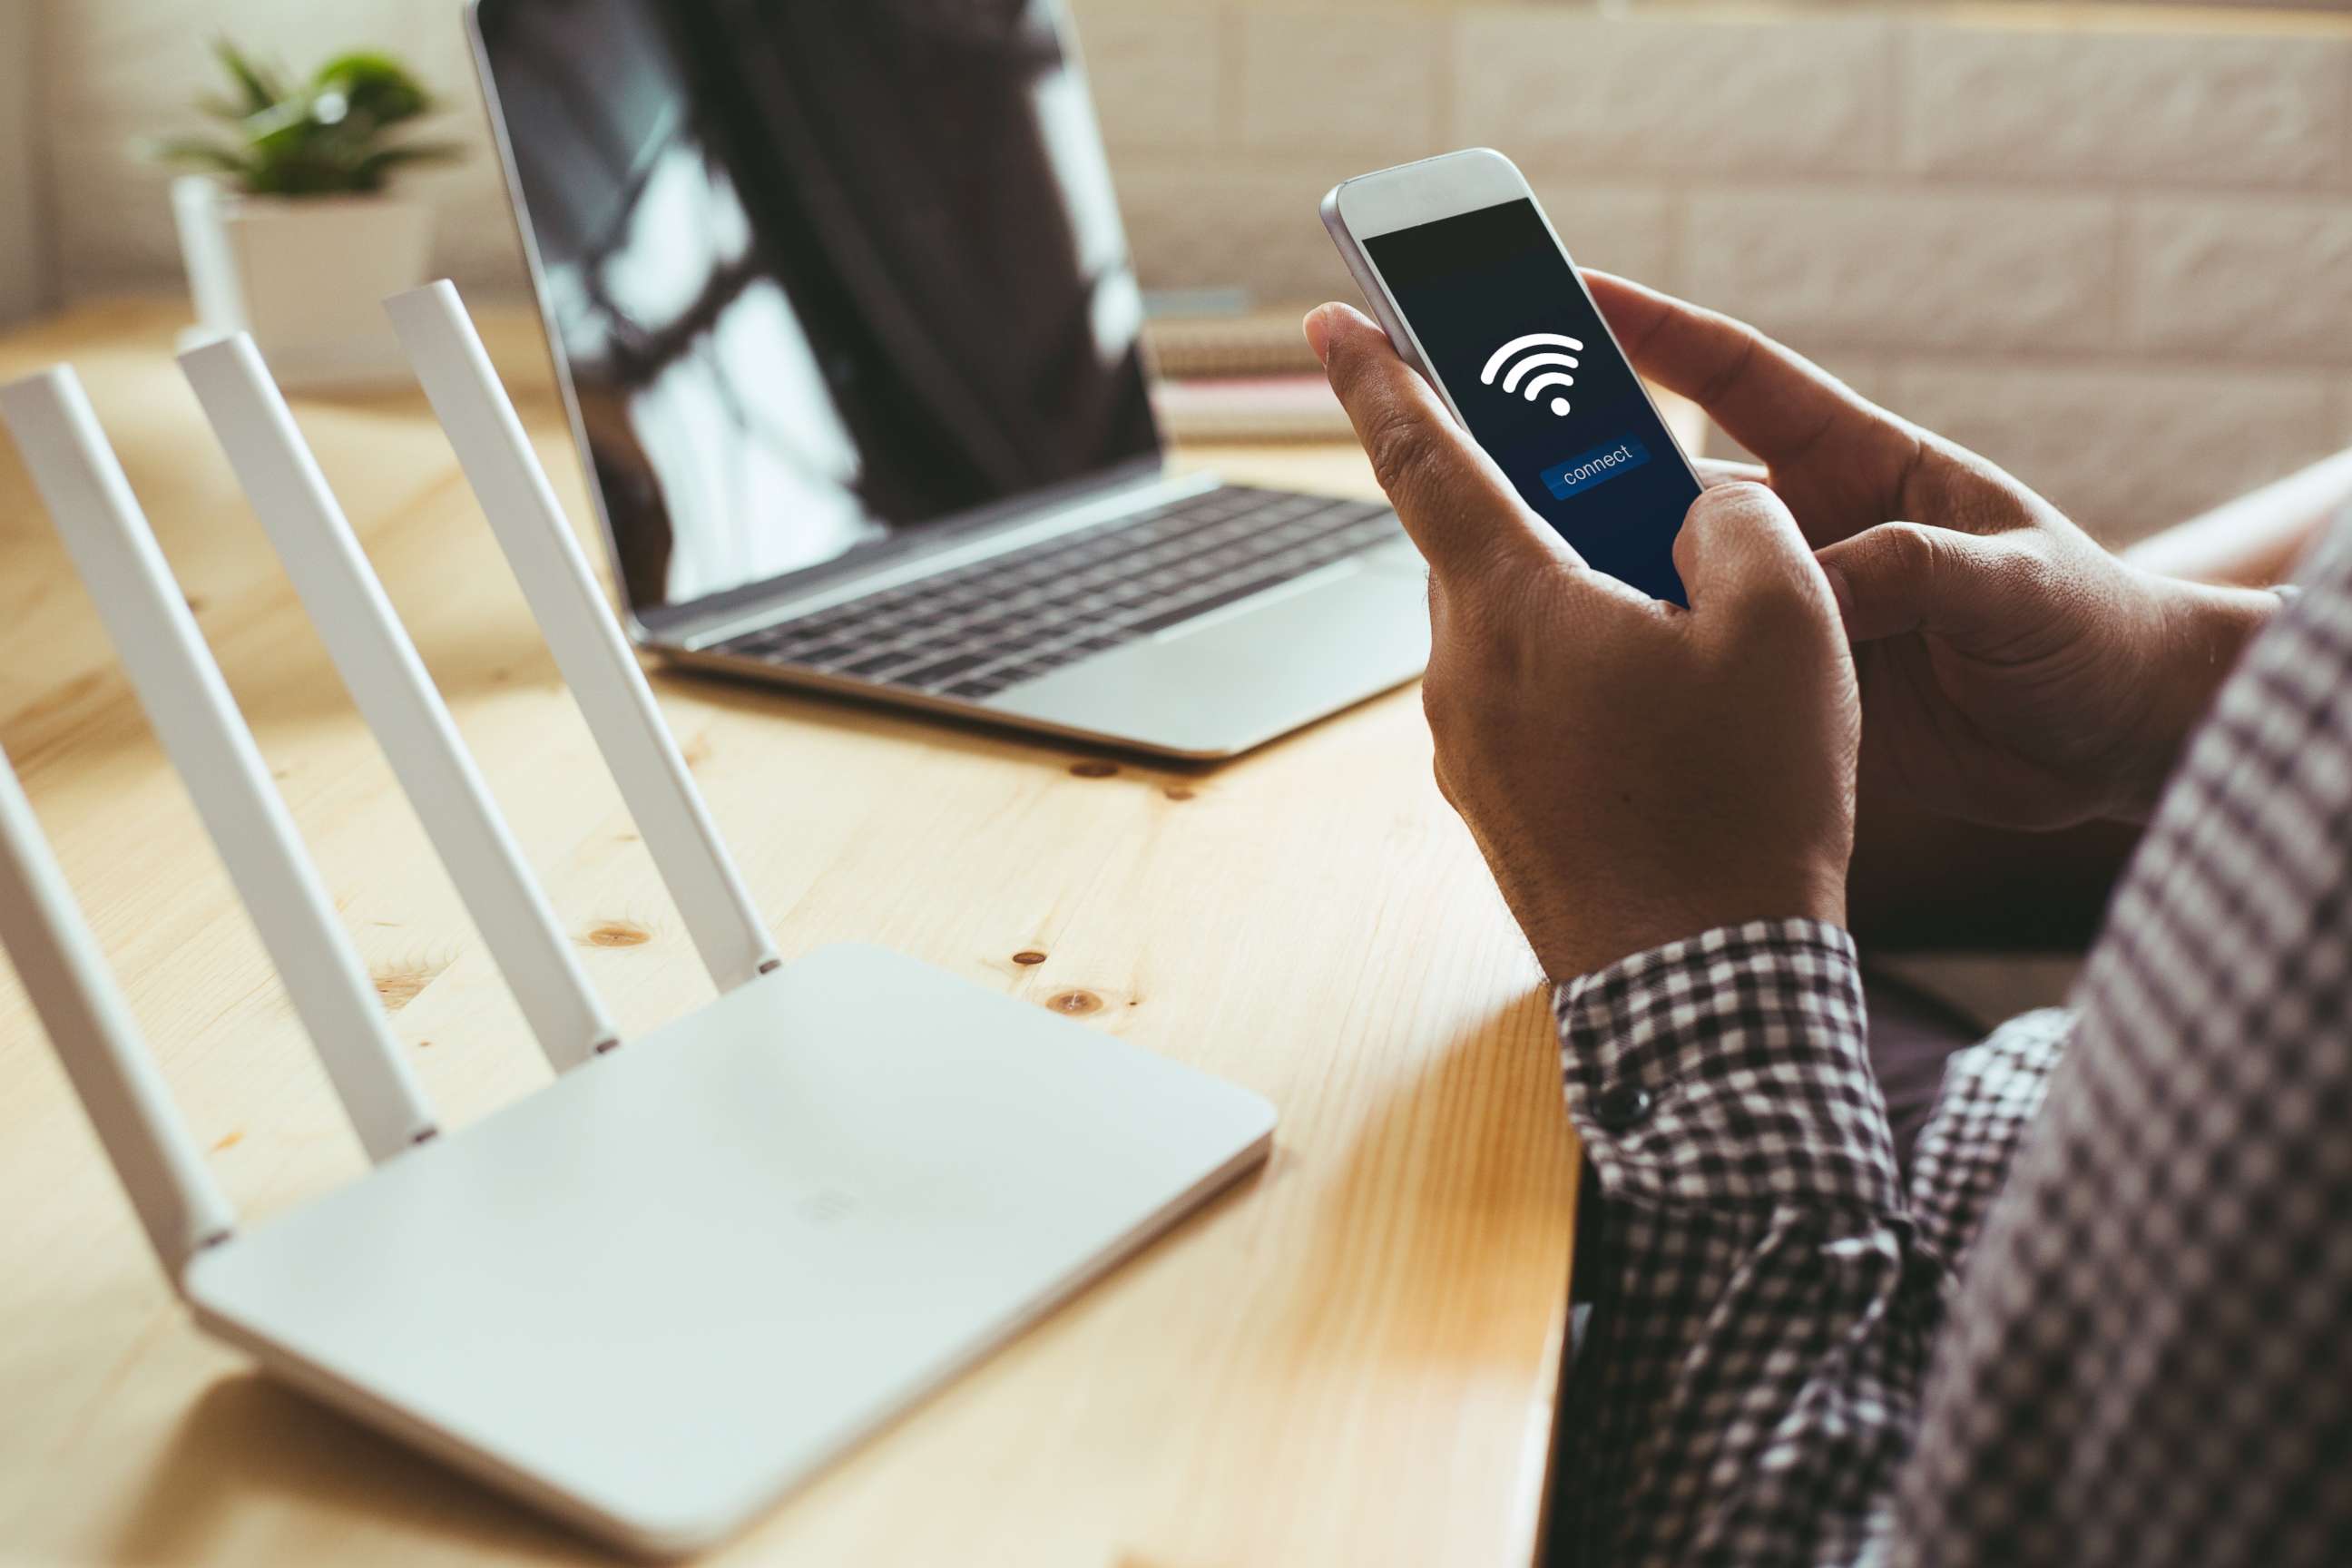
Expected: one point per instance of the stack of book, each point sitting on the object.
(1239, 374)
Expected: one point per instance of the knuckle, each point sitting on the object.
(2025, 567)
(1791, 600)
(1737, 364)
(1731, 508)
(1489, 645)
(1898, 554)
(1787, 589)
(1441, 701)
(1784, 604)
(1436, 705)
(1446, 788)
(1911, 551)
(1468, 691)
(1740, 494)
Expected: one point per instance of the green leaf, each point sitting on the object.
(195, 154)
(261, 89)
(324, 138)
(281, 129)
(376, 167)
(374, 85)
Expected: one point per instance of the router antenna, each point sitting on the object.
(381, 670)
(602, 671)
(189, 705)
(182, 1209)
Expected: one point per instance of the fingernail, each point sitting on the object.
(1319, 333)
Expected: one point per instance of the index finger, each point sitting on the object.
(1771, 400)
(1461, 513)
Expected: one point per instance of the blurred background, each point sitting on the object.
(2111, 247)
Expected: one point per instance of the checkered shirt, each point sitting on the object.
(2106, 1320)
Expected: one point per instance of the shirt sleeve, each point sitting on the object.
(1990, 1095)
(1748, 1386)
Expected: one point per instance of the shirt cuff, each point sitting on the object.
(1730, 1069)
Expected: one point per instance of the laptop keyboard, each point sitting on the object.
(973, 631)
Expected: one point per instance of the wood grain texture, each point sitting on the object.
(1350, 1359)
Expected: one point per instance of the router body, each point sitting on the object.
(657, 1294)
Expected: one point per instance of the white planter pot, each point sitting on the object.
(307, 277)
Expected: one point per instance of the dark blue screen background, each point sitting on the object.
(1471, 283)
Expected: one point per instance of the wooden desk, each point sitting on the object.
(1351, 1360)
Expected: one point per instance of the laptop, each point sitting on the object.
(845, 324)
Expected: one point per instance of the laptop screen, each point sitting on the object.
(823, 273)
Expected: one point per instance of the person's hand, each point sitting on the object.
(2012, 672)
(1633, 772)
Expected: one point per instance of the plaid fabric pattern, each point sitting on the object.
(2108, 1323)
(1991, 1094)
(1748, 1384)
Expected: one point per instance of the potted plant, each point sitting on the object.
(288, 233)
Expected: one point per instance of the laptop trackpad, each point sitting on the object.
(1244, 676)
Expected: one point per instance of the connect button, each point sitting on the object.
(1594, 467)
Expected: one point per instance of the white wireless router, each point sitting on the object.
(657, 1294)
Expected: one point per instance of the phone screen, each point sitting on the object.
(1506, 327)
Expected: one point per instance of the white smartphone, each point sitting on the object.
(1465, 274)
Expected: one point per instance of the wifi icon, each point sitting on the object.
(1554, 365)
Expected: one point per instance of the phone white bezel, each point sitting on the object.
(1413, 193)
(1444, 186)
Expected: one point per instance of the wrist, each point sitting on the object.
(1598, 932)
(2205, 627)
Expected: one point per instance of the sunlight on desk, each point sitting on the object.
(1351, 1359)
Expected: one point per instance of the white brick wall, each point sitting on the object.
(2112, 248)
(1156, 85)
(1368, 86)
(1635, 94)
(1894, 267)
(1232, 222)
(2265, 279)
(2118, 443)
(2262, 103)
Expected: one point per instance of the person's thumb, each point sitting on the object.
(1903, 577)
(1740, 552)
(1468, 521)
